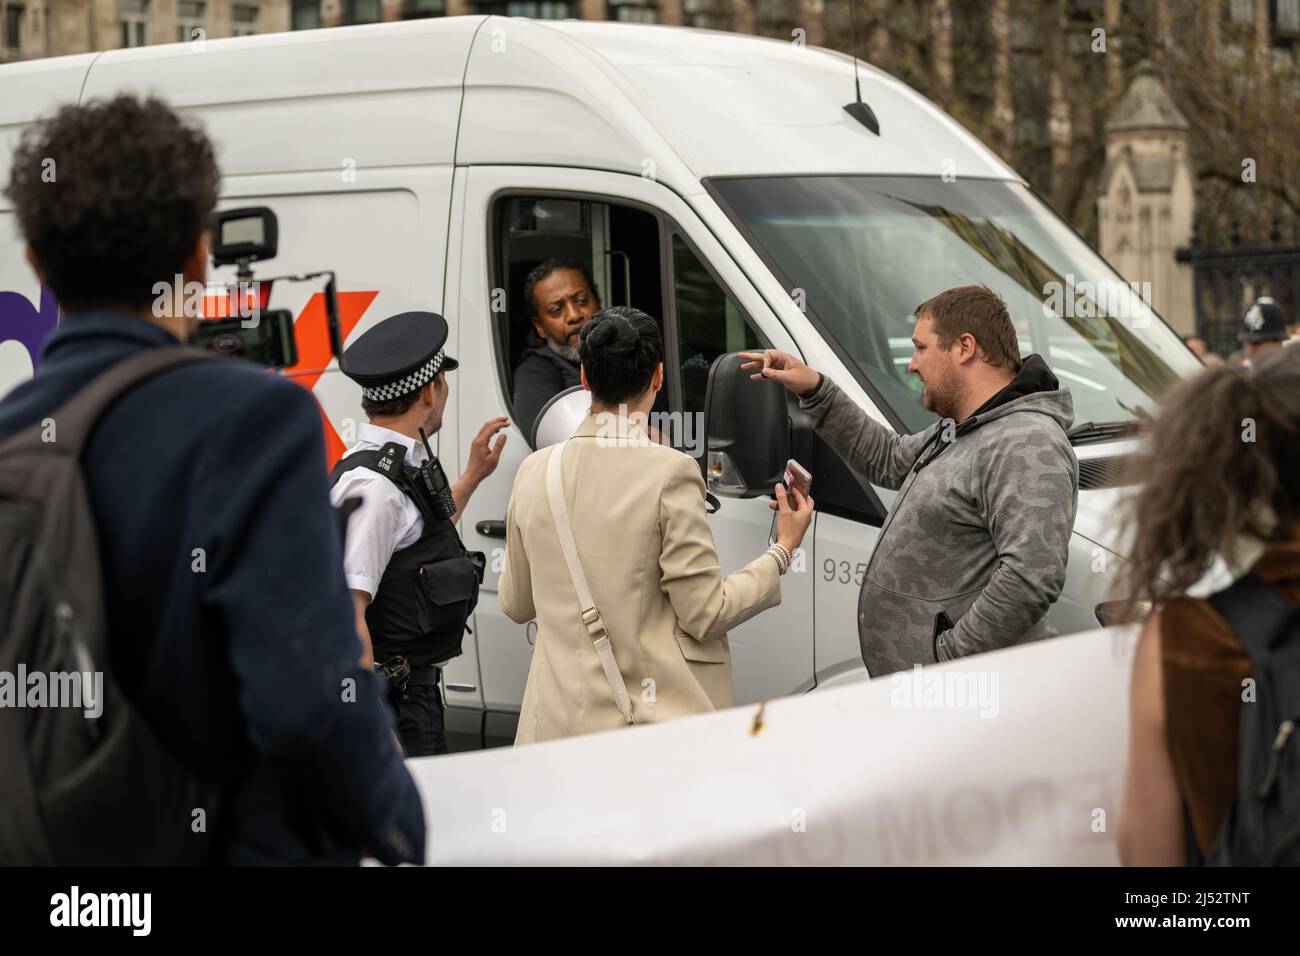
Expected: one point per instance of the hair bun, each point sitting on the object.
(620, 349)
(601, 331)
(615, 335)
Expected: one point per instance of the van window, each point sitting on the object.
(619, 244)
(866, 250)
(709, 324)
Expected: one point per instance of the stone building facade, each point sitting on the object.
(1148, 196)
(39, 28)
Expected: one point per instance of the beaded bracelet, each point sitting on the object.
(782, 555)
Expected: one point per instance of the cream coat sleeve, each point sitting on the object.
(515, 589)
(706, 604)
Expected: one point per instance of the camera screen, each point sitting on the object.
(250, 229)
(269, 341)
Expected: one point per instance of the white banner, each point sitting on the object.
(1015, 757)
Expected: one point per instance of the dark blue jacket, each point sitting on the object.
(239, 667)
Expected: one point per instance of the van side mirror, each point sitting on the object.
(747, 431)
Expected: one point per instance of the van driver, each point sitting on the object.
(561, 297)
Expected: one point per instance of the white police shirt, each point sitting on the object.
(387, 520)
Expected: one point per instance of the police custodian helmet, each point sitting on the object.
(1263, 322)
(398, 355)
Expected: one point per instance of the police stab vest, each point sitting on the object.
(429, 588)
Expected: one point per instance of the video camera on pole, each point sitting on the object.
(244, 327)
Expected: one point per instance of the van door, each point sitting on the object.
(707, 306)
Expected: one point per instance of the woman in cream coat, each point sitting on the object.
(637, 514)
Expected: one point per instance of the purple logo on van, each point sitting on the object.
(22, 323)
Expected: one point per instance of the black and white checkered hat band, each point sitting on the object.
(404, 386)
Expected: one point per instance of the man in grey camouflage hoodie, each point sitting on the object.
(972, 555)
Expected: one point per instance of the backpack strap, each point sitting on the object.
(76, 418)
(1255, 612)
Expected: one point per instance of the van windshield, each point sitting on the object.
(859, 253)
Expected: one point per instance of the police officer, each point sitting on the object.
(413, 583)
(1263, 328)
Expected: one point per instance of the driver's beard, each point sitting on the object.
(567, 352)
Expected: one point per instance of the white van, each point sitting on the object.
(710, 179)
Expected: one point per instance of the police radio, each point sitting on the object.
(433, 482)
(237, 323)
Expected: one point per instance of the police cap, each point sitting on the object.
(399, 355)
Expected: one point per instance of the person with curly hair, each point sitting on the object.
(1220, 482)
(229, 624)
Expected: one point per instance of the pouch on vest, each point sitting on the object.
(448, 595)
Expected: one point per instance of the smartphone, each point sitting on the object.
(796, 476)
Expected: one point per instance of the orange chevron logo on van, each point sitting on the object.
(312, 332)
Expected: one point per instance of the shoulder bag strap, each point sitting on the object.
(590, 613)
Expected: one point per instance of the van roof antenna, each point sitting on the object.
(859, 110)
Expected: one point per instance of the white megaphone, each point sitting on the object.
(560, 417)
